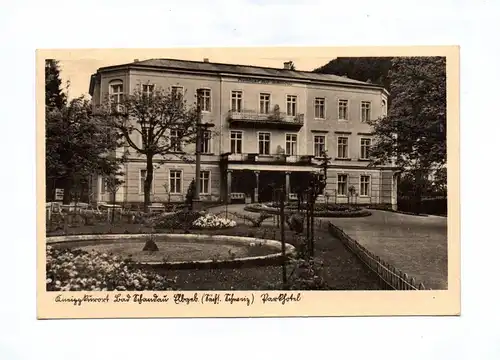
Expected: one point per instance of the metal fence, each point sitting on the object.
(389, 275)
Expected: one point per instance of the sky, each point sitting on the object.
(77, 66)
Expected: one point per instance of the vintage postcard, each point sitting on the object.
(248, 182)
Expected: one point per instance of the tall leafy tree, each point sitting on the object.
(54, 95)
(413, 135)
(155, 125)
(79, 144)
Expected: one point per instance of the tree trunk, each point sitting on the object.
(68, 186)
(148, 181)
(418, 192)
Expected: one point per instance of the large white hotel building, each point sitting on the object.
(271, 126)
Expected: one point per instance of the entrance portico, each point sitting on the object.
(258, 183)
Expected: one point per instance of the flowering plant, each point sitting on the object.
(78, 270)
(210, 221)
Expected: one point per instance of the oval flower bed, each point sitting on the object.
(321, 210)
(78, 270)
(210, 221)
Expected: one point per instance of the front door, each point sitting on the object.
(269, 183)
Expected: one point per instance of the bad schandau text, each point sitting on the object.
(180, 298)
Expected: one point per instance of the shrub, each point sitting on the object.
(78, 270)
(177, 220)
(296, 222)
(307, 275)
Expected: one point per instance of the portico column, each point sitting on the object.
(228, 185)
(256, 190)
(287, 184)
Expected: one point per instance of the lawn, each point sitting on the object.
(417, 245)
(341, 269)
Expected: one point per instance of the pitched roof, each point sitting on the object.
(219, 68)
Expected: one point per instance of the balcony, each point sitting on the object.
(276, 159)
(274, 119)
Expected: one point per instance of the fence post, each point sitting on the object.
(405, 278)
(400, 280)
(413, 283)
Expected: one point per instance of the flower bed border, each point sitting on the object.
(251, 261)
(333, 214)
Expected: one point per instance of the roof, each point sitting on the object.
(220, 68)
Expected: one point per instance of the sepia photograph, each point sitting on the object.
(282, 175)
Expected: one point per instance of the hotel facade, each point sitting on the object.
(270, 129)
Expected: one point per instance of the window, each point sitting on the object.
(142, 182)
(365, 148)
(364, 182)
(291, 144)
(236, 101)
(205, 142)
(175, 181)
(264, 143)
(342, 149)
(384, 108)
(342, 184)
(104, 187)
(236, 142)
(204, 100)
(291, 105)
(175, 141)
(365, 111)
(147, 89)
(265, 103)
(319, 145)
(116, 93)
(177, 90)
(319, 108)
(205, 182)
(343, 109)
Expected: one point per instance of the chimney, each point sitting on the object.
(287, 65)
(206, 60)
(136, 60)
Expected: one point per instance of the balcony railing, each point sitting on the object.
(265, 158)
(274, 117)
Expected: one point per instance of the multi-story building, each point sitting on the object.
(271, 126)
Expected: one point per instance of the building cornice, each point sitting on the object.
(220, 75)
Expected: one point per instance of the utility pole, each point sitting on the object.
(282, 232)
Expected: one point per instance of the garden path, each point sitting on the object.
(416, 245)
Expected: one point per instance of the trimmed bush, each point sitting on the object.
(177, 220)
